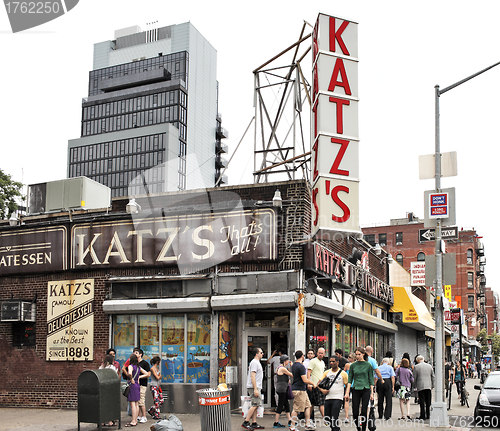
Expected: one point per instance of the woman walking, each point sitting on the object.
(405, 377)
(459, 377)
(155, 388)
(282, 382)
(360, 382)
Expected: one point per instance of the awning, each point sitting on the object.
(415, 313)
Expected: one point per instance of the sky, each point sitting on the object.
(405, 49)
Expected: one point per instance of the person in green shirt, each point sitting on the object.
(360, 382)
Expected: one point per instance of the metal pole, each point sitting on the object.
(439, 415)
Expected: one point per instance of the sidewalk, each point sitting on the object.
(67, 420)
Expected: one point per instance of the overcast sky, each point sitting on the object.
(405, 49)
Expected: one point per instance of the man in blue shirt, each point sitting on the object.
(386, 389)
(373, 362)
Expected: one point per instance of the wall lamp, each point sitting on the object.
(339, 286)
(14, 220)
(277, 201)
(389, 259)
(133, 207)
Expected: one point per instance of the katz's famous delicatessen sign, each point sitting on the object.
(70, 320)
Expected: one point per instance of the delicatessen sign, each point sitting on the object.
(70, 320)
(327, 263)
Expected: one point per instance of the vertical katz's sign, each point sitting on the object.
(334, 128)
(70, 320)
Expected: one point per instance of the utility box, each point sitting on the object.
(78, 193)
(99, 397)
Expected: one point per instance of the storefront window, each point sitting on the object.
(348, 339)
(149, 339)
(173, 349)
(318, 335)
(123, 337)
(227, 347)
(198, 360)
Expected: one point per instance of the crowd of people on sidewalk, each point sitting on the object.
(136, 371)
(352, 380)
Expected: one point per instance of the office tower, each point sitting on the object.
(150, 122)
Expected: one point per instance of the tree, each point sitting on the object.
(9, 191)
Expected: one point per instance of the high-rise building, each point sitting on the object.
(150, 122)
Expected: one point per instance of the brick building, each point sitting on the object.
(409, 243)
(492, 305)
(197, 277)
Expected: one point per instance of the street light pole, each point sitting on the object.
(439, 416)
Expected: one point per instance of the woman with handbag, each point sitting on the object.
(282, 385)
(361, 383)
(133, 374)
(405, 378)
(333, 389)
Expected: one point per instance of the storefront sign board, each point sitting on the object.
(70, 320)
(334, 128)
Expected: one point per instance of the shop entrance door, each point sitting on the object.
(260, 339)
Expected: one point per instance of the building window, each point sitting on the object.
(370, 239)
(469, 256)
(470, 280)
(421, 257)
(382, 239)
(399, 259)
(399, 238)
(470, 303)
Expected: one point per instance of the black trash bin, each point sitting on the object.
(99, 397)
(215, 410)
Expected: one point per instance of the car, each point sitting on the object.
(487, 410)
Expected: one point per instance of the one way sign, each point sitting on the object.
(425, 235)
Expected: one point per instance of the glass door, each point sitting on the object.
(262, 340)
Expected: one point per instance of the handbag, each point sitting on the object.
(397, 383)
(126, 389)
(289, 393)
(327, 382)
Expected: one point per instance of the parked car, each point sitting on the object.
(487, 410)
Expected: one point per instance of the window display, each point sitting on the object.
(172, 368)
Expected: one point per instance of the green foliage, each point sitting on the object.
(9, 191)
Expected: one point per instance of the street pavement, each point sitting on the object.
(460, 418)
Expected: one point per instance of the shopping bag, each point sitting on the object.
(246, 403)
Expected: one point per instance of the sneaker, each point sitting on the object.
(142, 419)
(256, 426)
(278, 425)
(247, 426)
(292, 429)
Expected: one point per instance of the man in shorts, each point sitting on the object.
(254, 388)
(143, 381)
(315, 370)
(300, 381)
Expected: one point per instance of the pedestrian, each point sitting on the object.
(386, 389)
(373, 363)
(360, 382)
(155, 388)
(112, 351)
(301, 401)
(254, 388)
(282, 382)
(108, 364)
(340, 358)
(472, 370)
(405, 377)
(134, 372)
(315, 370)
(459, 377)
(335, 395)
(392, 362)
(423, 375)
(143, 381)
(309, 357)
(447, 376)
(274, 360)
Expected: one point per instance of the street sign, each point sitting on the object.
(439, 206)
(425, 235)
(455, 316)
